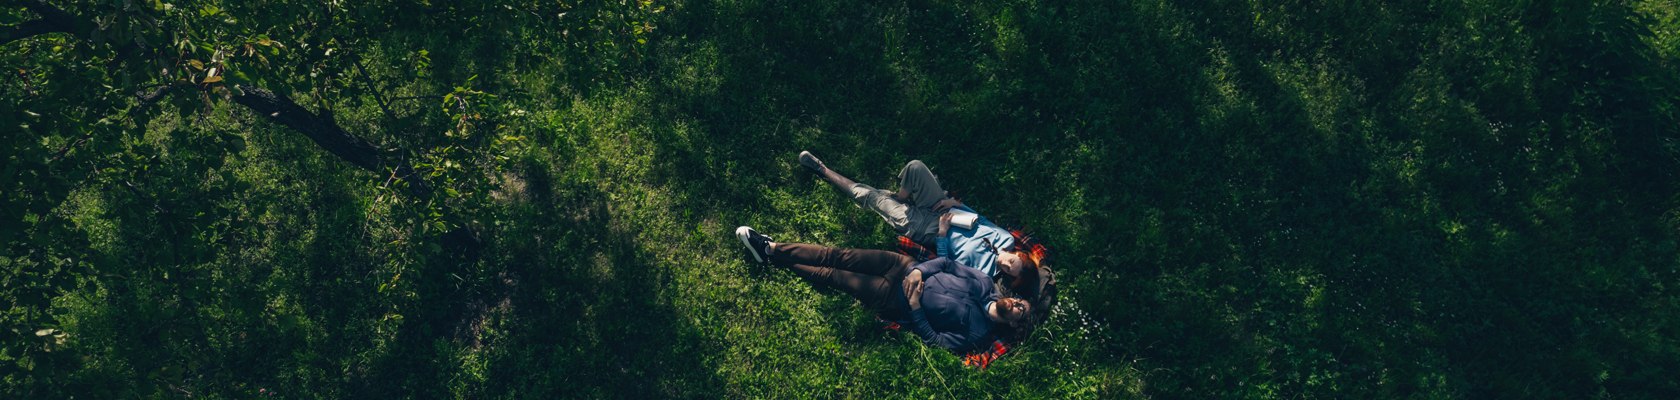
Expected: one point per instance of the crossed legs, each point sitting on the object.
(872, 276)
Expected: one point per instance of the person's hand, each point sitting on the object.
(912, 283)
(944, 224)
(946, 205)
(916, 299)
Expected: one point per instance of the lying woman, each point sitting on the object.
(947, 304)
(919, 211)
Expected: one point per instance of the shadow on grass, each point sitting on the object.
(586, 316)
(1336, 201)
(1252, 201)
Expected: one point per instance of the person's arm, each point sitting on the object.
(942, 246)
(934, 266)
(952, 341)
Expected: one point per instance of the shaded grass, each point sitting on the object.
(1309, 200)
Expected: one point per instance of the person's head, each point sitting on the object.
(1022, 267)
(1012, 310)
(1015, 262)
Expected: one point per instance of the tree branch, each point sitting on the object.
(326, 133)
(322, 130)
(52, 20)
(277, 108)
(319, 128)
(29, 28)
(421, 97)
(378, 95)
(152, 96)
(46, 10)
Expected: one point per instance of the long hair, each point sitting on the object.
(1032, 254)
(1028, 247)
(1027, 279)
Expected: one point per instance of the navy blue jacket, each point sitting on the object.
(954, 299)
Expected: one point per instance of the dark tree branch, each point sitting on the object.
(322, 130)
(326, 133)
(52, 20)
(378, 95)
(421, 97)
(152, 96)
(319, 128)
(29, 28)
(66, 150)
(46, 10)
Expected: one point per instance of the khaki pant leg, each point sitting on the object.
(921, 224)
(894, 212)
(921, 184)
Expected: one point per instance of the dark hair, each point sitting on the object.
(1026, 284)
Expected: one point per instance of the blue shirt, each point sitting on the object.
(968, 246)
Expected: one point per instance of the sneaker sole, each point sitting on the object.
(804, 154)
(742, 233)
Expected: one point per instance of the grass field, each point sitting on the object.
(1243, 200)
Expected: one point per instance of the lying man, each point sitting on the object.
(947, 304)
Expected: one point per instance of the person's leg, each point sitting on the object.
(879, 263)
(919, 189)
(874, 277)
(918, 186)
(881, 202)
(920, 225)
(880, 295)
(833, 177)
(839, 181)
(894, 212)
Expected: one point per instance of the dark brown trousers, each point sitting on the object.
(874, 277)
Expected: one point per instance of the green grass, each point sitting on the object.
(1243, 201)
